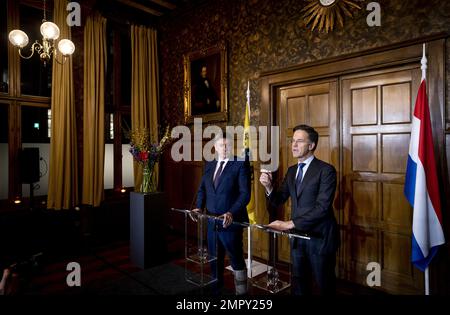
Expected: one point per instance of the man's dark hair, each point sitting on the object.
(312, 133)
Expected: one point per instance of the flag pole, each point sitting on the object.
(423, 67)
(249, 230)
(423, 61)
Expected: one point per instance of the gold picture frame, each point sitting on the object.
(205, 85)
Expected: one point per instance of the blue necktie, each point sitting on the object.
(219, 172)
(298, 180)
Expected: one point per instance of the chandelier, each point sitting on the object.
(50, 33)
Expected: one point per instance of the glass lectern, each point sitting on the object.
(201, 255)
(276, 275)
(200, 260)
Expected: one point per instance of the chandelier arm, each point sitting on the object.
(35, 47)
(47, 48)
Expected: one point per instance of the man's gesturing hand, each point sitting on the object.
(266, 180)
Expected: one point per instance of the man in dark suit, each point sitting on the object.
(225, 191)
(311, 185)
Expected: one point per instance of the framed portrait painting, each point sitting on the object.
(205, 85)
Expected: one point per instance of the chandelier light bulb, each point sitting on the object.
(49, 30)
(66, 47)
(18, 38)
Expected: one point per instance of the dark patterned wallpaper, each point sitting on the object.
(264, 35)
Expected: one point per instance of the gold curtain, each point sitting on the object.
(63, 176)
(144, 87)
(94, 110)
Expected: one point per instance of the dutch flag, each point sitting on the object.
(421, 186)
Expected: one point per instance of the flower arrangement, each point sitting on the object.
(147, 154)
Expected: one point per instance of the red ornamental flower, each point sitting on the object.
(143, 156)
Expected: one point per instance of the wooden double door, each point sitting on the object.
(364, 124)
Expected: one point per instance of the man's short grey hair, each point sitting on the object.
(223, 135)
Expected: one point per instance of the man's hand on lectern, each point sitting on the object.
(194, 214)
(227, 219)
(281, 225)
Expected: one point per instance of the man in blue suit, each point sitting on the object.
(225, 192)
(311, 185)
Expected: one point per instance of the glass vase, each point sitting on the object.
(149, 184)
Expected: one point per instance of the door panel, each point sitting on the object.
(376, 123)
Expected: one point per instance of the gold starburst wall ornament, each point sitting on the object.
(323, 14)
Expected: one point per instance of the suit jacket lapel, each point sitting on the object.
(291, 179)
(310, 172)
(211, 176)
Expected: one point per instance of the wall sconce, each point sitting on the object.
(50, 33)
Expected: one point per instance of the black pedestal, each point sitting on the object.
(147, 229)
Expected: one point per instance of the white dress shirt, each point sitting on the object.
(218, 165)
(305, 168)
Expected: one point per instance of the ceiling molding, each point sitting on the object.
(164, 4)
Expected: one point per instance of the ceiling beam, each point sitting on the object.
(165, 4)
(141, 7)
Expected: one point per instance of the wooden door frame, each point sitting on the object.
(392, 55)
(388, 56)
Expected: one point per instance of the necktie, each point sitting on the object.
(298, 180)
(219, 172)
